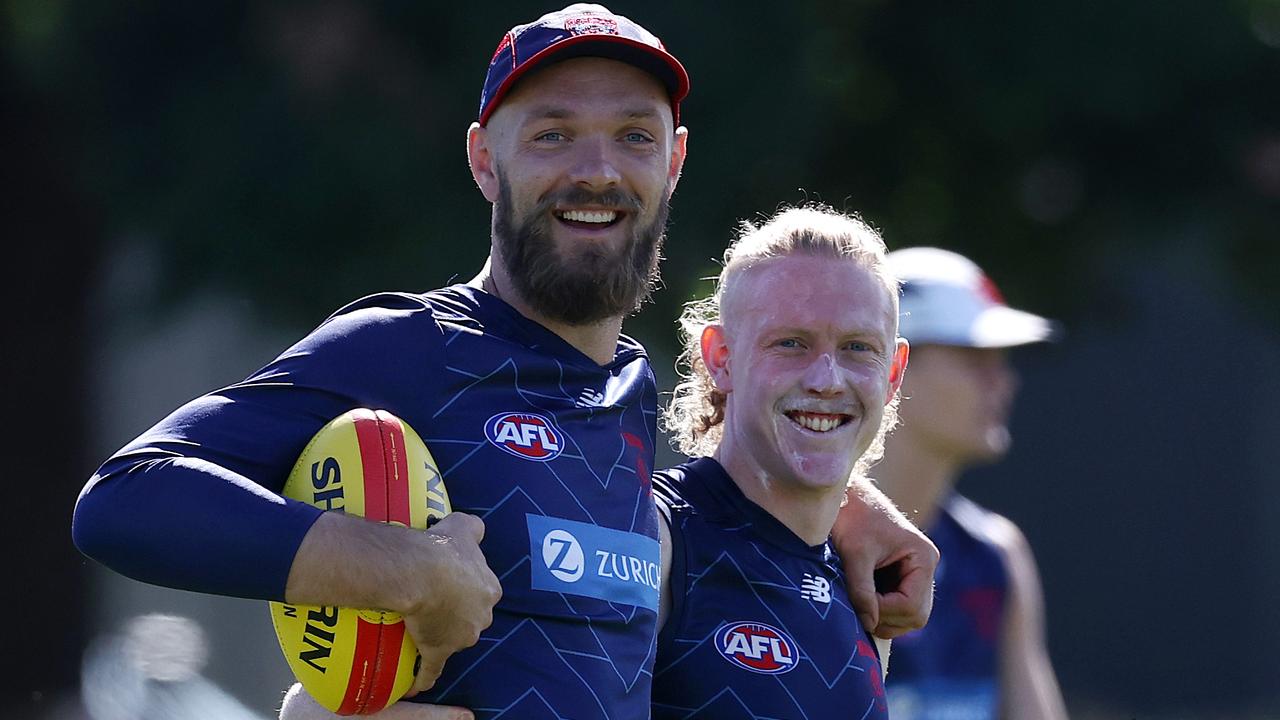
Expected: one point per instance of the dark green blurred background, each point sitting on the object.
(1114, 165)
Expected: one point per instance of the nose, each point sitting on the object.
(594, 167)
(822, 377)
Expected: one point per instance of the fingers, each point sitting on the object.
(447, 632)
(430, 668)
(460, 525)
(888, 562)
(859, 573)
(457, 594)
(862, 594)
(907, 605)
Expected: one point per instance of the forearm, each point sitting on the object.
(184, 523)
(862, 490)
(352, 562)
(870, 522)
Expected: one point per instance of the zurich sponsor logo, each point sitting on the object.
(562, 554)
(592, 561)
(757, 647)
(526, 435)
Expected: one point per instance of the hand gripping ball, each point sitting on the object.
(368, 463)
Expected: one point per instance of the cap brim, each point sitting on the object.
(655, 61)
(1002, 326)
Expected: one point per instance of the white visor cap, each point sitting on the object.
(947, 300)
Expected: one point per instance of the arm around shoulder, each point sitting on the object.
(888, 562)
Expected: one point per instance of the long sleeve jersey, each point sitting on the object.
(552, 450)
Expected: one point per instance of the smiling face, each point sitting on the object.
(580, 162)
(807, 355)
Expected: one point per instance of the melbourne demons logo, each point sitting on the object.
(757, 647)
(525, 435)
(591, 25)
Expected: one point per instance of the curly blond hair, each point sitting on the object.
(695, 416)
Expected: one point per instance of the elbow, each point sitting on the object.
(90, 520)
(106, 525)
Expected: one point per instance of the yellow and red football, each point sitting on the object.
(368, 463)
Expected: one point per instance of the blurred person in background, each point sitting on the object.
(983, 654)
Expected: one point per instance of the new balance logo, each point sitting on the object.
(815, 588)
(589, 398)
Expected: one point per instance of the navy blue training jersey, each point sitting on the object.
(550, 449)
(760, 624)
(949, 670)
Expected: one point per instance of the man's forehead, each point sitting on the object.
(803, 289)
(551, 110)
(591, 81)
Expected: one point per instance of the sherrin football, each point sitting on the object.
(368, 463)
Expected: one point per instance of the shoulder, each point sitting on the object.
(388, 320)
(668, 490)
(630, 347)
(456, 304)
(982, 523)
(993, 529)
(686, 488)
(383, 315)
(363, 348)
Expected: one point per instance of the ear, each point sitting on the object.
(480, 158)
(679, 146)
(897, 369)
(715, 355)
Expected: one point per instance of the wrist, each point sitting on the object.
(351, 562)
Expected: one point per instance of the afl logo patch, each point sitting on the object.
(525, 435)
(757, 647)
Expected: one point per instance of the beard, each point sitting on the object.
(590, 283)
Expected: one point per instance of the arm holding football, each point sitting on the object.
(437, 579)
(876, 541)
(204, 483)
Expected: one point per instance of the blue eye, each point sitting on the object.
(551, 136)
(637, 137)
(789, 343)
